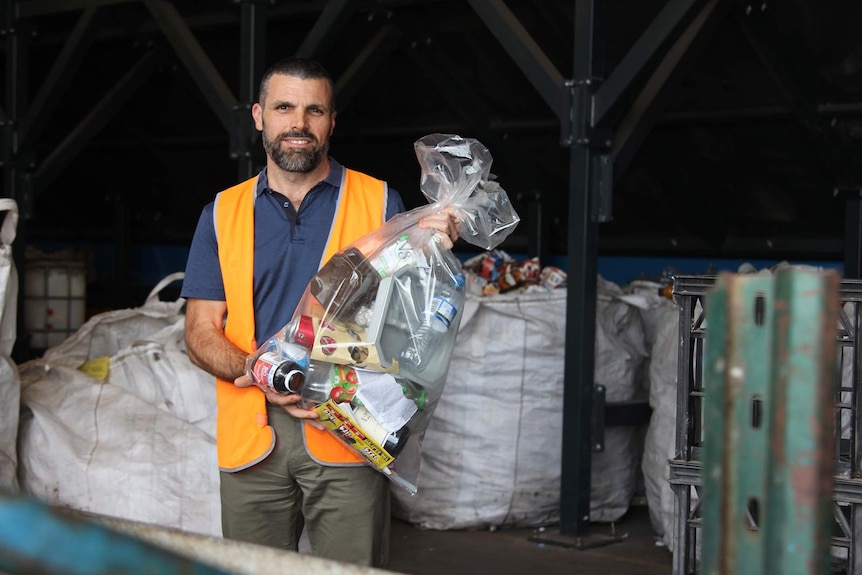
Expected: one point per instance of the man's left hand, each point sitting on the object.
(446, 223)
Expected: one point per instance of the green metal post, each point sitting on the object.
(801, 455)
(770, 369)
(737, 364)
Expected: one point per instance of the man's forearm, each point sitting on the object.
(213, 353)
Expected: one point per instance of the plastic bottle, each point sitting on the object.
(396, 441)
(317, 384)
(282, 373)
(446, 302)
(325, 381)
(392, 441)
(413, 391)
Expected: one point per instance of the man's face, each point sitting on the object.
(296, 119)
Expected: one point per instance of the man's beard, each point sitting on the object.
(294, 160)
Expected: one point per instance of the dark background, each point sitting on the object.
(753, 155)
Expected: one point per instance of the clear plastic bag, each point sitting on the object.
(369, 344)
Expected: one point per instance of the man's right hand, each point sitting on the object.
(288, 402)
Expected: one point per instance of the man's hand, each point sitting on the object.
(446, 223)
(288, 402)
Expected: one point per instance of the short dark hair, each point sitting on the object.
(297, 67)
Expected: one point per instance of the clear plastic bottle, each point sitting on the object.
(317, 384)
(446, 302)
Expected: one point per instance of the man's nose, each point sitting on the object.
(299, 122)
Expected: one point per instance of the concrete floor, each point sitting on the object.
(414, 551)
(632, 551)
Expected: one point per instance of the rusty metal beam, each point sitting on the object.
(769, 379)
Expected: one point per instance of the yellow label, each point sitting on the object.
(97, 367)
(351, 433)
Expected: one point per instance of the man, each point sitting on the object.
(254, 250)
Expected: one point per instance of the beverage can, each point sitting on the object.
(552, 278)
(510, 276)
(488, 268)
(302, 331)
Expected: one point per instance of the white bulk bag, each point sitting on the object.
(136, 442)
(492, 453)
(661, 320)
(10, 383)
(620, 353)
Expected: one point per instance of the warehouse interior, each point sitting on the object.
(699, 131)
(749, 153)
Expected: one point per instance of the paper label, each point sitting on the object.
(339, 419)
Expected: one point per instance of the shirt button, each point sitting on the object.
(285, 204)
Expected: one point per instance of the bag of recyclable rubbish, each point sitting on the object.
(369, 344)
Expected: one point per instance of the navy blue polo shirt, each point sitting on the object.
(288, 246)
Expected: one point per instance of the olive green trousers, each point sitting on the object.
(345, 511)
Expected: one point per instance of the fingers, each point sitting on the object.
(290, 403)
(445, 222)
(444, 240)
(281, 399)
(244, 380)
(455, 222)
(316, 425)
(299, 413)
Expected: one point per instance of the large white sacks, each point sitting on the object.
(10, 384)
(492, 452)
(661, 323)
(620, 354)
(136, 441)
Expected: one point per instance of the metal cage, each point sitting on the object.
(690, 293)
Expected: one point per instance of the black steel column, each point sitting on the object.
(582, 273)
(252, 52)
(11, 111)
(14, 174)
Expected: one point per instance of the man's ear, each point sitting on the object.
(257, 114)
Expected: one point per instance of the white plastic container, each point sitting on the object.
(55, 301)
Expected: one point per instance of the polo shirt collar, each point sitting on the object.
(333, 178)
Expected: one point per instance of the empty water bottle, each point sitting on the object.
(317, 384)
(445, 304)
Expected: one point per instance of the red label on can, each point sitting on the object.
(304, 335)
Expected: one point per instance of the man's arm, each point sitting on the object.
(210, 350)
(206, 344)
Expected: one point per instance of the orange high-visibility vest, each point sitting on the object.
(243, 436)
